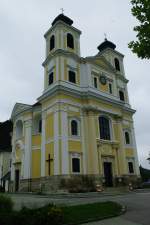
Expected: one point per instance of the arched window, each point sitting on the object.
(72, 76)
(51, 78)
(19, 129)
(52, 42)
(127, 137)
(121, 95)
(104, 127)
(74, 127)
(117, 64)
(70, 41)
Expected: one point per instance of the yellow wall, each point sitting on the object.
(36, 163)
(75, 146)
(36, 140)
(50, 126)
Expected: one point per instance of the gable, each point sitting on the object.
(18, 108)
(101, 62)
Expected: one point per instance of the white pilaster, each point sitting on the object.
(64, 131)
(27, 149)
(57, 69)
(84, 158)
(13, 154)
(56, 144)
(136, 161)
(43, 145)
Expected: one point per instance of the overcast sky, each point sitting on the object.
(22, 51)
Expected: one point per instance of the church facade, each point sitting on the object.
(81, 125)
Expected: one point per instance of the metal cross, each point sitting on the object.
(49, 164)
(62, 10)
(105, 35)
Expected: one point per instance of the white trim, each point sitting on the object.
(64, 131)
(56, 144)
(43, 145)
(78, 127)
(57, 69)
(27, 159)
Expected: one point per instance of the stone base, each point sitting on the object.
(71, 183)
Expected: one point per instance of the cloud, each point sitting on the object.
(22, 51)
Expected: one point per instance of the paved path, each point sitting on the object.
(138, 205)
(114, 221)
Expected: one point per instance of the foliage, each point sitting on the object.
(53, 215)
(141, 10)
(145, 174)
(6, 204)
(47, 215)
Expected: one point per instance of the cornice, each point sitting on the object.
(60, 52)
(83, 93)
(61, 23)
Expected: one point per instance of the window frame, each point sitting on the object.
(78, 127)
(70, 43)
(76, 156)
(120, 93)
(117, 64)
(95, 78)
(50, 73)
(110, 128)
(72, 71)
(50, 42)
(133, 168)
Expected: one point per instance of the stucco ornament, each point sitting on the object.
(20, 145)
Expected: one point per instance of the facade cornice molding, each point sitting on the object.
(60, 52)
(61, 24)
(83, 93)
(112, 50)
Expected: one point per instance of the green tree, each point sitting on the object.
(141, 10)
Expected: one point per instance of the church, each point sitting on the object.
(82, 124)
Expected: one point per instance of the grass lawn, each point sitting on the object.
(90, 212)
(56, 215)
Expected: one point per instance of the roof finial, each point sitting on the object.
(105, 35)
(62, 10)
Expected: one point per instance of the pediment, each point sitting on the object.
(101, 62)
(18, 108)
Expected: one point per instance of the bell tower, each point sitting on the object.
(62, 40)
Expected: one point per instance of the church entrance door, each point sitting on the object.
(108, 174)
(17, 178)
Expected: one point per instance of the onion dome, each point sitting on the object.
(106, 44)
(63, 18)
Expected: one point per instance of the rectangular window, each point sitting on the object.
(72, 76)
(95, 82)
(75, 165)
(51, 78)
(130, 165)
(110, 88)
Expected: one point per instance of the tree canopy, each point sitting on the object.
(141, 10)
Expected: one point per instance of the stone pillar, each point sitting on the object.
(64, 141)
(121, 151)
(84, 147)
(137, 171)
(13, 154)
(28, 149)
(56, 143)
(92, 145)
(43, 145)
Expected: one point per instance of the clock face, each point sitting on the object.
(103, 80)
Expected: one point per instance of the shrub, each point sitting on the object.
(47, 215)
(6, 204)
